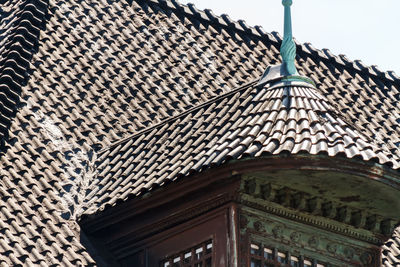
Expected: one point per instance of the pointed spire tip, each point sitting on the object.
(287, 2)
(288, 48)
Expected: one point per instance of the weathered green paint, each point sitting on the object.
(285, 72)
(331, 215)
(288, 48)
(297, 78)
(299, 239)
(351, 190)
(318, 214)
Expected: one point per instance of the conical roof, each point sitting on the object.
(288, 117)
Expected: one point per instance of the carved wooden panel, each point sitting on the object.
(256, 191)
(305, 242)
(264, 256)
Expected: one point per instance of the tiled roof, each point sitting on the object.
(89, 73)
(245, 123)
(391, 250)
(20, 24)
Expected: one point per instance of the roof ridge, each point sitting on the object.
(175, 117)
(225, 21)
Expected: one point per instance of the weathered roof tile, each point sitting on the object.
(107, 70)
(271, 130)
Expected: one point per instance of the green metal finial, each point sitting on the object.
(286, 72)
(288, 47)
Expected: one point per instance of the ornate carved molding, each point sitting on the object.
(289, 236)
(313, 210)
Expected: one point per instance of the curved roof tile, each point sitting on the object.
(267, 121)
(100, 71)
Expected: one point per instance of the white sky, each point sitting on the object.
(368, 30)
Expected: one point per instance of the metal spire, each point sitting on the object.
(285, 72)
(288, 47)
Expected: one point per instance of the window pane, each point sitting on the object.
(255, 249)
(191, 257)
(209, 248)
(255, 263)
(187, 258)
(261, 256)
(307, 263)
(281, 257)
(268, 254)
(294, 262)
(199, 253)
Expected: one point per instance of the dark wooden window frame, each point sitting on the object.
(274, 258)
(210, 226)
(201, 254)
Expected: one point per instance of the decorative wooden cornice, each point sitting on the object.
(370, 172)
(271, 208)
(288, 235)
(303, 207)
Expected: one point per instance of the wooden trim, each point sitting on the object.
(233, 221)
(158, 225)
(213, 225)
(190, 202)
(232, 171)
